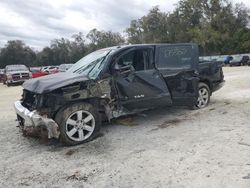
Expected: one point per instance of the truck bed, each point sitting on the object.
(211, 73)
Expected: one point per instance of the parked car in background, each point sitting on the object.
(16, 74)
(1, 74)
(36, 72)
(239, 61)
(64, 67)
(244, 60)
(220, 60)
(50, 69)
(248, 62)
(228, 59)
(236, 61)
(116, 81)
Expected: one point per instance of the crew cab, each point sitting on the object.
(116, 81)
(16, 74)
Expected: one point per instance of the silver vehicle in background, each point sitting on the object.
(16, 74)
(64, 67)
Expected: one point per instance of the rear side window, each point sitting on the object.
(175, 57)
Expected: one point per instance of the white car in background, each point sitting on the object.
(50, 69)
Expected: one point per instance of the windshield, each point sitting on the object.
(16, 68)
(90, 65)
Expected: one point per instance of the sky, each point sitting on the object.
(38, 22)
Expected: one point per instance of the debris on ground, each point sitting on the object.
(167, 123)
(70, 152)
(77, 176)
(243, 143)
(246, 177)
(127, 121)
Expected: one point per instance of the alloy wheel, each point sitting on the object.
(203, 97)
(80, 125)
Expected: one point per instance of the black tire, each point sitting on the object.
(64, 114)
(8, 84)
(203, 86)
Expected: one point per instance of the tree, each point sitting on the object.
(78, 47)
(45, 57)
(102, 39)
(135, 33)
(16, 52)
(217, 26)
(152, 28)
(212, 24)
(241, 41)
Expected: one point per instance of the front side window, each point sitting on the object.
(175, 57)
(139, 59)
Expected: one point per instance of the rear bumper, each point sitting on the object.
(29, 119)
(218, 85)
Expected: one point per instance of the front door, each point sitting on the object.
(138, 83)
(179, 66)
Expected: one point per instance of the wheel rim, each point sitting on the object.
(80, 125)
(203, 97)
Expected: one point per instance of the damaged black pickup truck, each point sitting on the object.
(116, 81)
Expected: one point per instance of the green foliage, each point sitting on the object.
(243, 44)
(213, 24)
(60, 51)
(103, 39)
(16, 52)
(218, 26)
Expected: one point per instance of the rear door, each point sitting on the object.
(179, 66)
(138, 83)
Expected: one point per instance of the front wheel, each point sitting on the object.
(78, 123)
(204, 96)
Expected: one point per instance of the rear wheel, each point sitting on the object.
(204, 96)
(78, 123)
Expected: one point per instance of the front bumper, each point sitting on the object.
(29, 119)
(16, 81)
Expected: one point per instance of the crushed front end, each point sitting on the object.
(30, 115)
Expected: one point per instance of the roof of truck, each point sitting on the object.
(141, 45)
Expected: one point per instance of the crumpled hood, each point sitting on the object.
(51, 82)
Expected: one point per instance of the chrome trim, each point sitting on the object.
(33, 119)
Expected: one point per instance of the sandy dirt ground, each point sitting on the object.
(171, 147)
